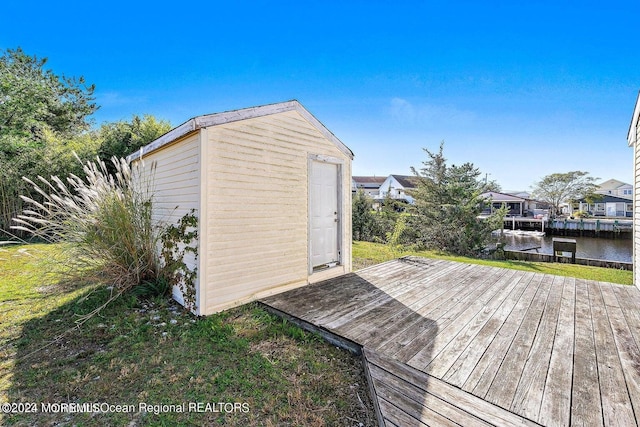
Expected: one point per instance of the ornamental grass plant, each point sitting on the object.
(103, 220)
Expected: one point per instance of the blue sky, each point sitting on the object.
(520, 89)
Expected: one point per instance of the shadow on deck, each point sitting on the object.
(326, 307)
(448, 343)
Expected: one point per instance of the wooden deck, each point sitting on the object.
(449, 343)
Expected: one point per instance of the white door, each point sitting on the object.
(323, 212)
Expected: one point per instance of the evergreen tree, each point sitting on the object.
(43, 117)
(34, 100)
(447, 205)
(362, 217)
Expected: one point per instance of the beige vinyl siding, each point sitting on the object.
(257, 203)
(636, 207)
(176, 184)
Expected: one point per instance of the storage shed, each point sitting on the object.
(633, 138)
(271, 187)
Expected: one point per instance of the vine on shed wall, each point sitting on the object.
(177, 241)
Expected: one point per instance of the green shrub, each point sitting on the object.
(362, 217)
(150, 289)
(448, 203)
(581, 214)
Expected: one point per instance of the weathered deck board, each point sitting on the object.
(629, 307)
(503, 387)
(460, 344)
(420, 413)
(397, 416)
(443, 312)
(469, 358)
(450, 323)
(626, 345)
(396, 326)
(555, 408)
(616, 404)
(586, 408)
(528, 395)
(450, 402)
(484, 372)
(406, 290)
(467, 325)
(370, 299)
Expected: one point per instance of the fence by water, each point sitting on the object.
(600, 252)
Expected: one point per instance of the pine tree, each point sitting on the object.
(362, 218)
(447, 205)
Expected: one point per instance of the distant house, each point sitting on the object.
(397, 187)
(369, 184)
(613, 187)
(607, 205)
(517, 205)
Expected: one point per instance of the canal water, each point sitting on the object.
(587, 247)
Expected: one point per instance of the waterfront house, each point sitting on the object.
(613, 187)
(271, 187)
(517, 205)
(606, 205)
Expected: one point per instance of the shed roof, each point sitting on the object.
(215, 119)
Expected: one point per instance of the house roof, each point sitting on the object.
(215, 119)
(406, 181)
(608, 198)
(502, 197)
(517, 193)
(369, 180)
(611, 184)
(632, 135)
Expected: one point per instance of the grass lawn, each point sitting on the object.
(243, 367)
(366, 253)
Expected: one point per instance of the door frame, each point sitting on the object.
(319, 158)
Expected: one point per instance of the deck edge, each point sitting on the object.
(341, 342)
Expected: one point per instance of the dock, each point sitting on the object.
(573, 227)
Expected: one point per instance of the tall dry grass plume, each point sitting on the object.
(104, 222)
